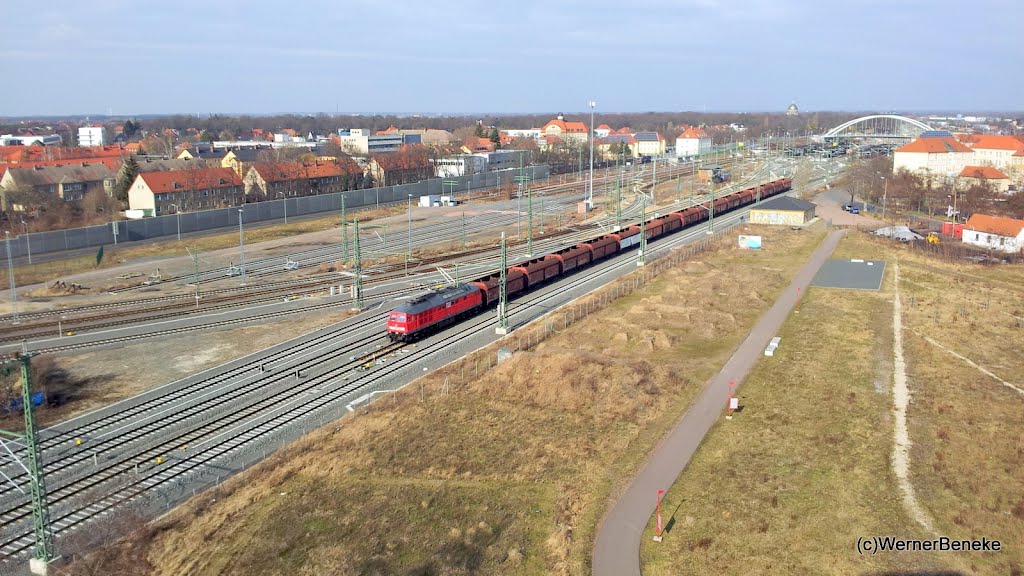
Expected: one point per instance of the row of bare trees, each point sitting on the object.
(908, 192)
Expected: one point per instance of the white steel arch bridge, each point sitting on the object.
(880, 126)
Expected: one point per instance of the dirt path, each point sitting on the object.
(617, 546)
(901, 399)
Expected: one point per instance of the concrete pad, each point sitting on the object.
(850, 274)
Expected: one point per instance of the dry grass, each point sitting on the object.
(509, 472)
(803, 470)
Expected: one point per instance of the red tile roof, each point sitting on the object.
(984, 172)
(567, 127)
(297, 171)
(694, 132)
(604, 127)
(390, 130)
(998, 225)
(993, 142)
(13, 154)
(164, 182)
(934, 146)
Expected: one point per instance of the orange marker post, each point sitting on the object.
(657, 536)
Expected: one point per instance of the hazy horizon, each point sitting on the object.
(736, 56)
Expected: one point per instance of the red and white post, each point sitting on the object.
(733, 402)
(657, 535)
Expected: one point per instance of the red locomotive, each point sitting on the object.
(442, 307)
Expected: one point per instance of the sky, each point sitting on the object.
(452, 56)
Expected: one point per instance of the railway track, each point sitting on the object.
(320, 387)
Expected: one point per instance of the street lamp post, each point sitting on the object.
(177, 212)
(409, 251)
(885, 195)
(588, 203)
(241, 247)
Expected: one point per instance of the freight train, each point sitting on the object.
(442, 307)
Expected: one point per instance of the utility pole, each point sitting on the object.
(618, 200)
(643, 228)
(711, 207)
(523, 181)
(241, 247)
(42, 551)
(503, 291)
(344, 231)
(409, 251)
(463, 230)
(357, 267)
(194, 253)
(10, 277)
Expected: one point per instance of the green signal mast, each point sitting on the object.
(503, 291)
(42, 551)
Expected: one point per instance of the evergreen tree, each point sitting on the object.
(495, 137)
(129, 172)
(479, 130)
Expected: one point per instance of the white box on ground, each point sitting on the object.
(431, 200)
(770, 350)
(734, 403)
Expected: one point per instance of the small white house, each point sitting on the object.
(995, 233)
(693, 141)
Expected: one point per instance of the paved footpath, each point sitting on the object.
(617, 549)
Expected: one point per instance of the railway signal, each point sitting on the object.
(657, 535)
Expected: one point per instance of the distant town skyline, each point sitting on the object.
(451, 57)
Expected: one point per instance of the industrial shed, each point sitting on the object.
(783, 210)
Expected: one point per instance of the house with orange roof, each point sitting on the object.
(270, 181)
(972, 175)
(993, 150)
(185, 190)
(936, 156)
(566, 130)
(693, 141)
(476, 145)
(602, 131)
(995, 233)
(1016, 167)
(389, 130)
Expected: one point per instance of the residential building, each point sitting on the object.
(19, 154)
(186, 190)
(289, 179)
(568, 131)
(410, 163)
(649, 144)
(694, 141)
(995, 233)
(41, 183)
(935, 155)
(993, 150)
(783, 210)
(602, 131)
(91, 136)
(971, 175)
(474, 145)
(40, 140)
(616, 146)
(503, 159)
(1016, 167)
(362, 142)
(237, 159)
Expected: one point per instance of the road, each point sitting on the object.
(617, 547)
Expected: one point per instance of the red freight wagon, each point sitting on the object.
(673, 222)
(538, 270)
(655, 228)
(693, 214)
(603, 246)
(628, 236)
(515, 281)
(571, 258)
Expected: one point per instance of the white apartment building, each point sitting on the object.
(362, 141)
(42, 140)
(91, 136)
(935, 156)
(693, 141)
(461, 165)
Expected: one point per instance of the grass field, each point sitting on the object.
(794, 479)
(510, 472)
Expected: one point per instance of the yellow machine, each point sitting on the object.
(933, 238)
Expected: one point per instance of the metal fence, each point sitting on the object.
(25, 245)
